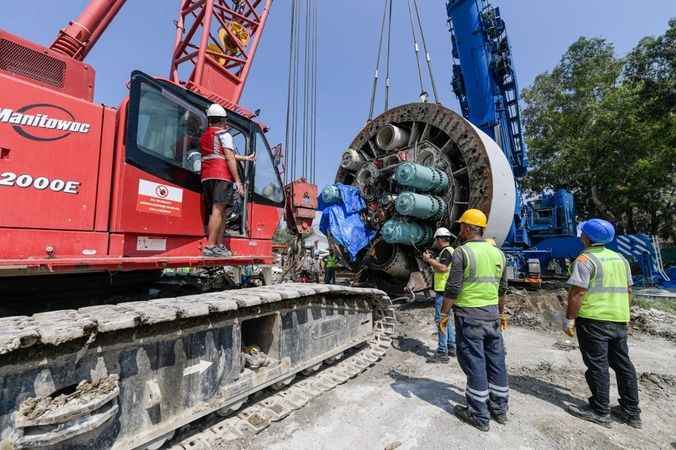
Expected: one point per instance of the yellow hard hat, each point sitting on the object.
(473, 217)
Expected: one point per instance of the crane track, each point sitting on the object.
(243, 424)
(194, 336)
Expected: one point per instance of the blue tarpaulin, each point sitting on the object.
(342, 221)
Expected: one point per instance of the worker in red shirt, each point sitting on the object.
(220, 178)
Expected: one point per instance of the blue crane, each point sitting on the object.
(485, 82)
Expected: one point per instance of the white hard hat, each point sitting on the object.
(442, 233)
(216, 110)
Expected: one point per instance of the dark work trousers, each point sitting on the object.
(481, 355)
(330, 275)
(604, 344)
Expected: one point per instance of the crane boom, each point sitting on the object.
(484, 79)
(79, 37)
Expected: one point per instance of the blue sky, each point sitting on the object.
(142, 36)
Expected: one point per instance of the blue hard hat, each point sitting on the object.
(598, 231)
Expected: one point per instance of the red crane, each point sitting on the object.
(87, 188)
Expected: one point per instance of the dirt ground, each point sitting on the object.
(405, 403)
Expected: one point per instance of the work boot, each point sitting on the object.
(633, 420)
(499, 418)
(586, 412)
(463, 413)
(451, 352)
(221, 251)
(438, 358)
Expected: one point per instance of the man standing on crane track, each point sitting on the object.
(220, 178)
(441, 265)
(598, 310)
(475, 290)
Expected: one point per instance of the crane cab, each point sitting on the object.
(105, 189)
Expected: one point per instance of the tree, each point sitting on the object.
(605, 128)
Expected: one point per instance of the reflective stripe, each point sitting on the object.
(208, 157)
(476, 397)
(493, 387)
(499, 391)
(613, 290)
(485, 280)
(476, 392)
(471, 264)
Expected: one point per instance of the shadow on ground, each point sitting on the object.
(412, 345)
(554, 394)
(436, 393)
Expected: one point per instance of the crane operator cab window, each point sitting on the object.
(170, 129)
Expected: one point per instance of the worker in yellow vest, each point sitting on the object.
(475, 290)
(330, 262)
(440, 265)
(598, 310)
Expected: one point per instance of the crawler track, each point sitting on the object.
(129, 375)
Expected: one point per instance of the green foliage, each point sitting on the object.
(605, 128)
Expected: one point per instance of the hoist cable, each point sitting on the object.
(427, 54)
(375, 76)
(387, 63)
(287, 140)
(416, 49)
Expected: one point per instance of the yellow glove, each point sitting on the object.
(443, 323)
(569, 327)
(504, 322)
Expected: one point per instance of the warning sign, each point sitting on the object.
(158, 198)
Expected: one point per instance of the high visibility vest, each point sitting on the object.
(440, 278)
(607, 297)
(330, 261)
(481, 278)
(214, 165)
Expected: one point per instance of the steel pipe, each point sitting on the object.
(392, 137)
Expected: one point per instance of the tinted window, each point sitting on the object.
(267, 183)
(169, 128)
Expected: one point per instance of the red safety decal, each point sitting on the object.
(158, 198)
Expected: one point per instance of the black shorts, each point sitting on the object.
(218, 191)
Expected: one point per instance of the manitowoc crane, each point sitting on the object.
(88, 189)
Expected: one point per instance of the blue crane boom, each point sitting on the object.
(484, 79)
(485, 82)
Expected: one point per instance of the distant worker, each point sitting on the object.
(306, 267)
(440, 265)
(475, 290)
(220, 178)
(316, 268)
(598, 309)
(330, 263)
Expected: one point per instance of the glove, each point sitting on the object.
(504, 322)
(443, 323)
(569, 327)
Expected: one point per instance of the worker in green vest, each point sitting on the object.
(598, 310)
(475, 291)
(440, 264)
(330, 263)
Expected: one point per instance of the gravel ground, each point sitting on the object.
(405, 403)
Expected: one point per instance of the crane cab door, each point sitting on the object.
(159, 188)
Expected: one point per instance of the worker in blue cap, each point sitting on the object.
(598, 311)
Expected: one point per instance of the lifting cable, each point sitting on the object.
(416, 50)
(386, 33)
(427, 54)
(387, 63)
(376, 74)
(301, 138)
